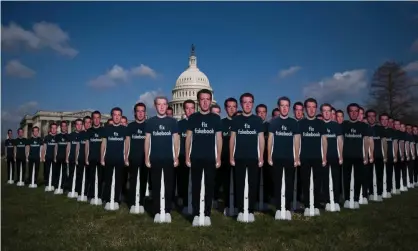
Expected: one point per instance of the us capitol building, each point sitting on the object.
(187, 85)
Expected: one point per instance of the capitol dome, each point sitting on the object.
(187, 85)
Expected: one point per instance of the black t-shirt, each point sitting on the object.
(95, 137)
(9, 145)
(83, 137)
(74, 139)
(333, 130)
(115, 143)
(378, 133)
(311, 132)
(204, 128)
(20, 144)
(354, 133)
(246, 130)
(182, 126)
(50, 142)
(136, 131)
(226, 124)
(62, 140)
(34, 147)
(390, 137)
(283, 131)
(161, 132)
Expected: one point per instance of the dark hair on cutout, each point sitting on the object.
(312, 100)
(63, 122)
(169, 108)
(52, 124)
(124, 117)
(140, 104)
(116, 109)
(274, 110)
(339, 111)
(189, 101)
(78, 120)
(96, 112)
(230, 99)
(370, 111)
(260, 106)
(204, 91)
(246, 95)
(297, 104)
(284, 98)
(35, 127)
(215, 106)
(352, 105)
(325, 105)
(86, 118)
(319, 116)
(10, 130)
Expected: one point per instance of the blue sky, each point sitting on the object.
(51, 52)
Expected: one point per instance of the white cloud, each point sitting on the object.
(144, 70)
(411, 67)
(15, 68)
(117, 74)
(148, 98)
(15, 115)
(288, 72)
(340, 85)
(414, 46)
(42, 35)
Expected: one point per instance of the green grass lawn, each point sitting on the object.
(35, 220)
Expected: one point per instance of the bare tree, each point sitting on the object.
(392, 91)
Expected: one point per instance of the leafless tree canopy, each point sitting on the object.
(392, 91)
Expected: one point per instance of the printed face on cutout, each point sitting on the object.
(298, 111)
(124, 121)
(360, 116)
(35, 132)
(397, 125)
(116, 117)
(284, 107)
(189, 109)
(390, 123)
(340, 118)
(161, 106)
(140, 113)
(384, 121)
(333, 115)
(169, 112)
(310, 109)
(20, 133)
(353, 113)
(402, 127)
(409, 129)
(205, 101)
(415, 130)
(216, 110)
(87, 124)
(231, 108)
(64, 127)
(247, 104)
(10, 134)
(262, 113)
(78, 125)
(371, 118)
(96, 120)
(326, 113)
(53, 129)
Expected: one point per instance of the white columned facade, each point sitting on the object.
(187, 85)
(42, 119)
